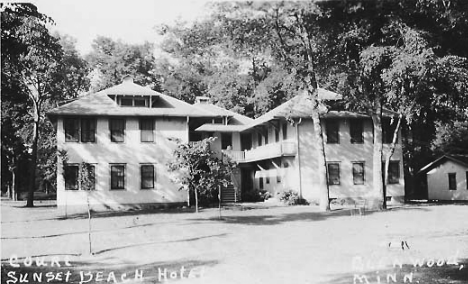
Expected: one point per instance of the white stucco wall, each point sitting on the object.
(132, 153)
(345, 153)
(438, 182)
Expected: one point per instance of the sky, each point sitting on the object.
(130, 21)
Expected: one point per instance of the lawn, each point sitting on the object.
(250, 244)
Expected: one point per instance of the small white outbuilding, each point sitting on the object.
(447, 178)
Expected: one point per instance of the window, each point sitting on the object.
(77, 130)
(394, 172)
(332, 129)
(147, 176)
(277, 135)
(126, 102)
(278, 176)
(117, 176)
(117, 129)
(226, 140)
(90, 183)
(358, 173)
(388, 128)
(356, 129)
(71, 177)
(139, 102)
(452, 179)
(88, 130)
(260, 181)
(267, 180)
(147, 130)
(285, 131)
(333, 173)
(466, 180)
(72, 129)
(259, 139)
(218, 120)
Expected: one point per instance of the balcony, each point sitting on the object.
(269, 151)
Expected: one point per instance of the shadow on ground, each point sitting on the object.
(446, 273)
(292, 217)
(109, 270)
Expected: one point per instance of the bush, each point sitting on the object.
(291, 197)
(255, 195)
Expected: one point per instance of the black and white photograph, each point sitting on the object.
(212, 141)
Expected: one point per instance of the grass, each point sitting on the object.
(250, 244)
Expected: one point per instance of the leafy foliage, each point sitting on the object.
(111, 60)
(199, 171)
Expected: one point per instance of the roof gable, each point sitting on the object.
(456, 158)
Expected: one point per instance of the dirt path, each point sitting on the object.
(263, 245)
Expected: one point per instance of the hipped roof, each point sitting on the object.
(101, 104)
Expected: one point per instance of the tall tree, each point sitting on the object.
(36, 75)
(112, 60)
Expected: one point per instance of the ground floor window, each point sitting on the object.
(358, 173)
(260, 181)
(394, 172)
(452, 179)
(80, 177)
(333, 173)
(117, 176)
(71, 177)
(147, 176)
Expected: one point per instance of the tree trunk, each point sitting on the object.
(322, 164)
(89, 221)
(32, 177)
(388, 156)
(324, 194)
(196, 200)
(377, 157)
(14, 195)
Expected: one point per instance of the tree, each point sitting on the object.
(199, 170)
(31, 56)
(111, 60)
(37, 74)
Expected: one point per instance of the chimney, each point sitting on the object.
(127, 79)
(202, 100)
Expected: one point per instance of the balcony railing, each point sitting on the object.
(269, 151)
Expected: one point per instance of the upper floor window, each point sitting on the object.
(117, 129)
(117, 176)
(226, 140)
(147, 176)
(332, 130)
(131, 101)
(77, 130)
(356, 130)
(285, 131)
(388, 130)
(277, 135)
(147, 129)
(266, 137)
(452, 180)
(358, 173)
(333, 173)
(259, 139)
